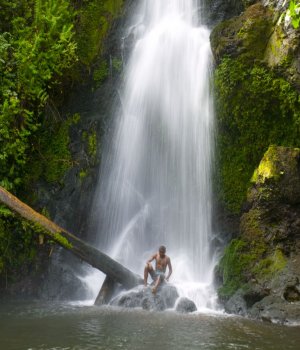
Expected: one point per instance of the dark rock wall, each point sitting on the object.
(220, 10)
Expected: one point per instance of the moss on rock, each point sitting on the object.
(245, 36)
(269, 229)
(255, 108)
(256, 105)
(93, 24)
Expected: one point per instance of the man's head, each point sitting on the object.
(162, 251)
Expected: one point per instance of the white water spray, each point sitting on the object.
(156, 180)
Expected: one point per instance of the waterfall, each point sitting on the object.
(155, 180)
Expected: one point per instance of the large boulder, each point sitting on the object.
(246, 35)
(186, 305)
(236, 304)
(143, 297)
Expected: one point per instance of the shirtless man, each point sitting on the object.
(161, 263)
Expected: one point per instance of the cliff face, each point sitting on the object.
(257, 94)
(257, 104)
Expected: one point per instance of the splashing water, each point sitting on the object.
(156, 179)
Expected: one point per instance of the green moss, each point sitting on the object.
(245, 36)
(94, 20)
(231, 268)
(57, 153)
(267, 167)
(255, 31)
(101, 72)
(92, 145)
(90, 140)
(249, 257)
(83, 174)
(255, 108)
(57, 237)
(240, 262)
(271, 265)
(117, 64)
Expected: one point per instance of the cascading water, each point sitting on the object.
(155, 182)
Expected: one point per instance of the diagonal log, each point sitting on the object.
(67, 240)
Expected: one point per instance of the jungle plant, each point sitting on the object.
(33, 56)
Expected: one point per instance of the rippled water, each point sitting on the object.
(65, 327)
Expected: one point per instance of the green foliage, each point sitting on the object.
(294, 13)
(56, 158)
(43, 44)
(51, 156)
(38, 49)
(18, 243)
(255, 108)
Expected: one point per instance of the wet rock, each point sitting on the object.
(292, 294)
(218, 10)
(236, 304)
(185, 305)
(292, 290)
(276, 310)
(255, 294)
(131, 299)
(153, 302)
(143, 297)
(169, 294)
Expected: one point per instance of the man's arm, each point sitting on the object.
(151, 259)
(170, 269)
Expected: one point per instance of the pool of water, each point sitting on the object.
(36, 326)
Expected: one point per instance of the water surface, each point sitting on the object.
(38, 326)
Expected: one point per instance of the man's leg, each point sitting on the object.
(148, 270)
(157, 283)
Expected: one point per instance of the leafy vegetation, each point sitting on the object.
(34, 54)
(17, 242)
(293, 12)
(45, 46)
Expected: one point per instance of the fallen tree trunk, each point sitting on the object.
(107, 290)
(84, 251)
